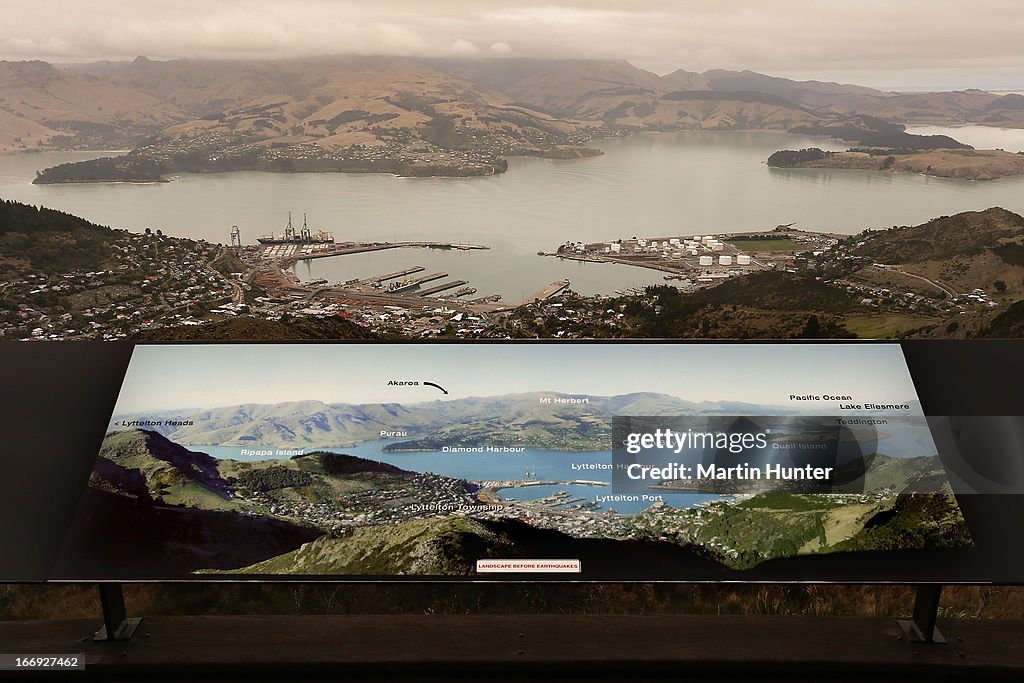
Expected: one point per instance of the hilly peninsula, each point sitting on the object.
(524, 420)
(966, 164)
(414, 117)
(155, 509)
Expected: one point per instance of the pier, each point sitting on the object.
(489, 299)
(391, 276)
(358, 248)
(416, 282)
(495, 485)
(546, 293)
(442, 287)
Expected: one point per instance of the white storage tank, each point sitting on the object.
(693, 252)
(743, 260)
(717, 247)
(725, 260)
(707, 239)
(706, 260)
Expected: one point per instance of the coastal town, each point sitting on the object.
(708, 523)
(152, 280)
(148, 280)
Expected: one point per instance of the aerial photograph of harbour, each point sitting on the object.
(507, 190)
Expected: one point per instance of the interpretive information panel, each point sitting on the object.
(688, 462)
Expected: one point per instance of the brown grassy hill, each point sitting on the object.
(346, 113)
(340, 102)
(964, 234)
(816, 93)
(727, 110)
(852, 100)
(616, 92)
(383, 107)
(967, 164)
(201, 87)
(313, 92)
(970, 250)
(83, 108)
(765, 305)
(18, 134)
(941, 108)
(961, 106)
(578, 88)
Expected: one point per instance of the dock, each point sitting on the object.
(442, 287)
(416, 282)
(546, 293)
(358, 248)
(495, 484)
(392, 276)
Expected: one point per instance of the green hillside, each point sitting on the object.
(451, 546)
(40, 240)
(913, 522)
(144, 464)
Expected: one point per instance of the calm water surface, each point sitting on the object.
(543, 465)
(653, 184)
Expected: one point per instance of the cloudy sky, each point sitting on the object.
(883, 43)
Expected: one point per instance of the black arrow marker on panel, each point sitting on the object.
(431, 384)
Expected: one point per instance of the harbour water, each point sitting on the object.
(979, 137)
(900, 438)
(542, 466)
(659, 184)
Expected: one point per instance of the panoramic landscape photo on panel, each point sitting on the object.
(383, 459)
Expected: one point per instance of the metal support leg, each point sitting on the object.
(920, 628)
(116, 624)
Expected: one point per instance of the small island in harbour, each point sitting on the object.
(966, 164)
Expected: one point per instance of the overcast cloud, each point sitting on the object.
(886, 43)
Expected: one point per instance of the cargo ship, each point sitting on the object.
(305, 236)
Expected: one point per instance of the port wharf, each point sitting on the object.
(496, 485)
(404, 287)
(315, 251)
(546, 293)
(703, 259)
